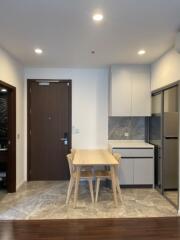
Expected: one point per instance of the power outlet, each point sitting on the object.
(126, 134)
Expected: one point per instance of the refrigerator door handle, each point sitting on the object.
(171, 137)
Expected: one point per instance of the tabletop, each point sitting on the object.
(94, 157)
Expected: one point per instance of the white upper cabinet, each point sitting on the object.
(141, 92)
(129, 90)
(120, 92)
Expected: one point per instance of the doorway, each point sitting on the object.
(7, 137)
(49, 129)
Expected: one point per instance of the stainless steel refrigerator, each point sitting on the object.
(170, 139)
(163, 133)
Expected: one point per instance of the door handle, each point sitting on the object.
(65, 139)
(171, 137)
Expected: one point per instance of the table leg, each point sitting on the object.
(118, 188)
(114, 184)
(76, 185)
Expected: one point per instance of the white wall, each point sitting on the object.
(11, 71)
(165, 70)
(89, 103)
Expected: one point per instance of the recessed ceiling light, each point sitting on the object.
(98, 17)
(3, 90)
(38, 51)
(141, 52)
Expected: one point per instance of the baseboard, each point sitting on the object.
(137, 186)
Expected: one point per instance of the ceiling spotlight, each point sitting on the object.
(98, 17)
(141, 52)
(93, 52)
(38, 51)
(3, 90)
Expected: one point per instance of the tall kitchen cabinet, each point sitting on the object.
(129, 90)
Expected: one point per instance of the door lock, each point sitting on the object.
(65, 139)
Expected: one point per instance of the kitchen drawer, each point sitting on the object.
(135, 152)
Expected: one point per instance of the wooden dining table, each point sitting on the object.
(94, 158)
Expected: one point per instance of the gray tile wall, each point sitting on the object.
(135, 126)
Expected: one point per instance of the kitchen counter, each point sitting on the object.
(128, 144)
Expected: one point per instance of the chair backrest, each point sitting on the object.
(117, 157)
(70, 162)
(73, 152)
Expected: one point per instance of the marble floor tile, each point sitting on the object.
(172, 196)
(46, 200)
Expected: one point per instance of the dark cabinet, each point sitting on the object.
(3, 169)
(3, 156)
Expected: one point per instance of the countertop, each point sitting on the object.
(129, 144)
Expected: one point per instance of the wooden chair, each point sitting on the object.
(106, 174)
(84, 175)
(73, 151)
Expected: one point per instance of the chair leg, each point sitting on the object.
(97, 188)
(70, 187)
(118, 189)
(91, 189)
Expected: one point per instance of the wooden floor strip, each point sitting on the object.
(101, 229)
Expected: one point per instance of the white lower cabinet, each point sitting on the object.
(126, 171)
(137, 169)
(143, 171)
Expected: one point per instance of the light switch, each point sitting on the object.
(75, 130)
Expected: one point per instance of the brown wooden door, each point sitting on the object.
(49, 122)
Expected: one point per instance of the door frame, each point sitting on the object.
(29, 82)
(11, 164)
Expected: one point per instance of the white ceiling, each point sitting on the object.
(65, 31)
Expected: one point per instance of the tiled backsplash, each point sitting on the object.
(134, 126)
